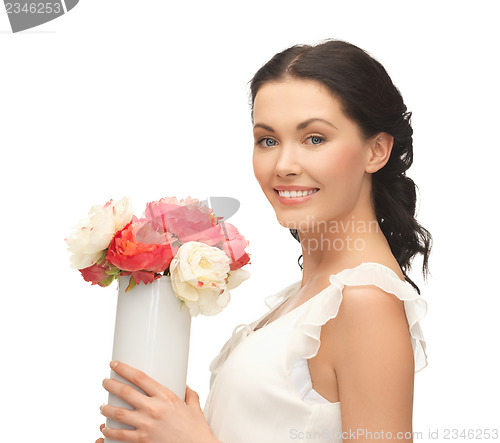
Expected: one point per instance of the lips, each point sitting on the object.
(293, 188)
(292, 199)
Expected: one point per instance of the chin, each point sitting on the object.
(290, 224)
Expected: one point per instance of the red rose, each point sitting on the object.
(96, 274)
(128, 254)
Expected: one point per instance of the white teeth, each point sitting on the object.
(296, 193)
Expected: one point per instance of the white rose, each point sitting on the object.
(93, 235)
(210, 302)
(122, 213)
(237, 277)
(198, 275)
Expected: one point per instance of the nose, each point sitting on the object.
(287, 162)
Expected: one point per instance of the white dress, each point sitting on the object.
(260, 387)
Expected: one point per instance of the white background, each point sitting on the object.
(150, 99)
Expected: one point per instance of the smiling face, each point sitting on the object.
(304, 141)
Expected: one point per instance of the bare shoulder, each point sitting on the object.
(369, 304)
(369, 320)
(367, 310)
(371, 353)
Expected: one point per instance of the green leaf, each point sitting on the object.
(107, 281)
(113, 270)
(102, 258)
(131, 284)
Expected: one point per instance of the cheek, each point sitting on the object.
(261, 169)
(343, 166)
(342, 175)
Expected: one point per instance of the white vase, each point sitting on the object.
(151, 334)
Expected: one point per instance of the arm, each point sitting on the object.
(372, 356)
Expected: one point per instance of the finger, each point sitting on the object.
(140, 379)
(192, 397)
(121, 434)
(100, 440)
(121, 415)
(125, 392)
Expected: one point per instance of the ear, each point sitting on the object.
(379, 151)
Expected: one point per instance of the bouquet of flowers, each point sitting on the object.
(183, 239)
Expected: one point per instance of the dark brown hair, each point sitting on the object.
(368, 97)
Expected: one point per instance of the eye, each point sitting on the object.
(315, 139)
(266, 142)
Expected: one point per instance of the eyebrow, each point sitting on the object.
(300, 126)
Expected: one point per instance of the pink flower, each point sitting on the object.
(234, 246)
(155, 209)
(129, 254)
(96, 274)
(186, 219)
(212, 236)
(189, 220)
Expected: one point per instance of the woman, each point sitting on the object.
(332, 143)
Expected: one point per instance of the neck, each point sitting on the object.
(333, 245)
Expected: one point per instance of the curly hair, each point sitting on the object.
(369, 98)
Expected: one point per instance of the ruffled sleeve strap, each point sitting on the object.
(239, 333)
(415, 306)
(327, 306)
(324, 306)
(272, 301)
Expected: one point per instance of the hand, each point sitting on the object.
(158, 417)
